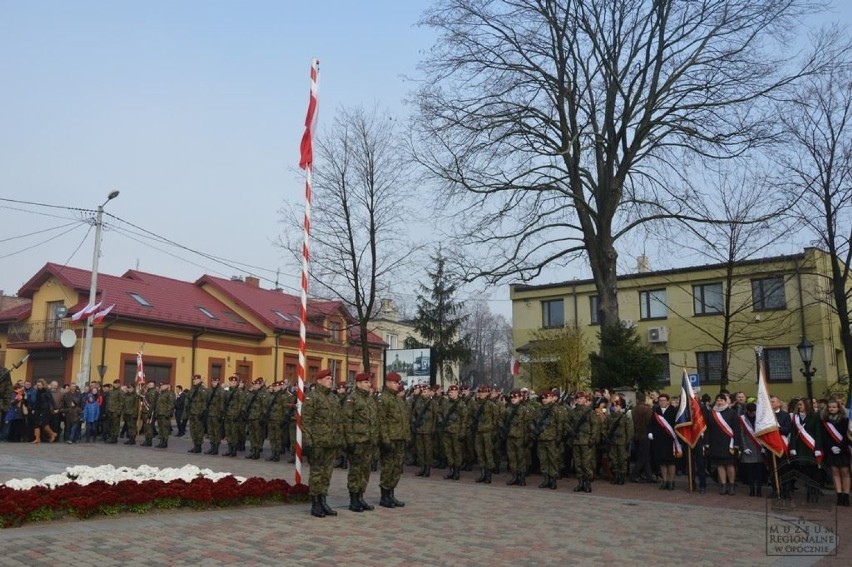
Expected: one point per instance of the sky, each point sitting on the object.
(193, 110)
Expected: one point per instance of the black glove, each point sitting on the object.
(243, 416)
(350, 448)
(307, 450)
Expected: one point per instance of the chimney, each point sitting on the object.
(643, 265)
(252, 281)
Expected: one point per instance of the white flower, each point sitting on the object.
(84, 476)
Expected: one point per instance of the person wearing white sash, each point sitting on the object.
(723, 437)
(665, 444)
(806, 446)
(751, 457)
(836, 447)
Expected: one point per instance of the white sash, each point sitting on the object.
(723, 425)
(833, 432)
(750, 431)
(806, 437)
(677, 450)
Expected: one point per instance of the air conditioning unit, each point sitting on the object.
(628, 323)
(658, 334)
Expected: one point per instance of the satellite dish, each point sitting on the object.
(68, 338)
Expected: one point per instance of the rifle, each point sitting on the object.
(476, 418)
(576, 429)
(205, 415)
(418, 423)
(152, 410)
(7, 372)
(450, 413)
(614, 427)
(543, 421)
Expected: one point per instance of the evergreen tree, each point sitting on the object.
(439, 319)
(626, 362)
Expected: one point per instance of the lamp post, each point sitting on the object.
(806, 351)
(83, 377)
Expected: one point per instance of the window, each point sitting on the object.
(334, 328)
(392, 339)
(768, 293)
(140, 300)
(709, 367)
(206, 312)
(652, 304)
(595, 309)
(778, 365)
(665, 377)
(233, 317)
(217, 370)
(707, 299)
(552, 313)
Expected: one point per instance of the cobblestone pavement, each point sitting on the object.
(443, 523)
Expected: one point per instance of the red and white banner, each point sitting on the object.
(86, 311)
(100, 315)
(140, 369)
(765, 424)
(723, 425)
(677, 450)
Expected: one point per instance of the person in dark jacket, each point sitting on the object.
(43, 411)
(723, 439)
(641, 415)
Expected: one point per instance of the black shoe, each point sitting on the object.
(366, 507)
(421, 472)
(147, 443)
(513, 480)
(326, 508)
(316, 507)
(450, 473)
(195, 449)
(702, 490)
(130, 441)
(671, 485)
(164, 444)
(428, 472)
(581, 486)
(481, 476)
(456, 473)
(522, 479)
(354, 503)
(386, 500)
(210, 450)
(399, 503)
(487, 477)
(587, 486)
(545, 483)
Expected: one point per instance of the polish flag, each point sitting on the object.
(765, 425)
(515, 366)
(100, 315)
(86, 311)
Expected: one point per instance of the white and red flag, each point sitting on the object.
(515, 366)
(140, 369)
(86, 311)
(765, 425)
(100, 315)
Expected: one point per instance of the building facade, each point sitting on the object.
(709, 319)
(215, 327)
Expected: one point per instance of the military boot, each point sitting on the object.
(400, 503)
(488, 476)
(355, 503)
(164, 444)
(587, 486)
(545, 483)
(386, 500)
(130, 441)
(427, 472)
(367, 507)
(195, 448)
(147, 443)
(421, 472)
(581, 485)
(316, 507)
(326, 508)
(450, 473)
(552, 484)
(513, 479)
(481, 475)
(456, 473)
(276, 456)
(522, 479)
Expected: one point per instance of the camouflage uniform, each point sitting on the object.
(439, 401)
(424, 417)
(549, 430)
(498, 438)
(163, 412)
(517, 430)
(361, 435)
(453, 419)
(618, 432)
(482, 423)
(114, 403)
(322, 439)
(130, 414)
(148, 415)
(252, 411)
(212, 417)
(468, 442)
(394, 433)
(274, 416)
(196, 401)
(584, 426)
(231, 406)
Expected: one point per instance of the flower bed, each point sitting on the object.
(83, 492)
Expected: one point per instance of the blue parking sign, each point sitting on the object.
(693, 380)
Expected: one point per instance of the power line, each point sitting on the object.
(38, 232)
(46, 205)
(40, 243)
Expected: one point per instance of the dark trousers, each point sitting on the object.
(642, 467)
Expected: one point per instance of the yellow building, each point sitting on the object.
(214, 327)
(682, 315)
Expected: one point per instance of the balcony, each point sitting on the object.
(39, 334)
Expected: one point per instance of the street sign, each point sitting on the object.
(694, 381)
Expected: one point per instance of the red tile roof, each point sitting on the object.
(16, 313)
(172, 302)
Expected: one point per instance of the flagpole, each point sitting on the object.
(689, 474)
(306, 161)
(775, 472)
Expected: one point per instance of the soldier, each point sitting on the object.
(149, 402)
(251, 414)
(468, 444)
(439, 401)
(619, 433)
(342, 460)
(499, 440)
(163, 412)
(411, 402)
(482, 424)
(320, 419)
(274, 418)
(361, 435)
(424, 426)
(394, 433)
(584, 428)
(517, 429)
(242, 424)
(211, 417)
(114, 408)
(196, 403)
(231, 407)
(549, 430)
(130, 413)
(453, 418)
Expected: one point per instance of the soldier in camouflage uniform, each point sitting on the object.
(482, 423)
(468, 443)
(549, 430)
(394, 433)
(424, 417)
(439, 401)
(130, 413)
(163, 413)
(149, 403)
(584, 428)
(322, 439)
(113, 400)
(231, 407)
(252, 412)
(244, 387)
(411, 402)
(499, 439)
(517, 430)
(453, 420)
(341, 393)
(211, 416)
(361, 435)
(196, 402)
(274, 416)
(619, 433)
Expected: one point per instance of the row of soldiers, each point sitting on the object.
(486, 428)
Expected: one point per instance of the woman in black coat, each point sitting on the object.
(665, 445)
(722, 438)
(43, 409)
(835, 447)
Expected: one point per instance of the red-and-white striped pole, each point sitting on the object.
(306, 162)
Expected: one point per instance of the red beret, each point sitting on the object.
(259, 382)
(393, 377)
(197, 377)
(340, 385)
(548, 394)
(234, 378)
(325, 372)
(363, 377)
(580, 395)
(453, 388)
(516, 392)
(484, 389)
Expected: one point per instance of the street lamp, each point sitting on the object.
(83, 377)
(806, 351)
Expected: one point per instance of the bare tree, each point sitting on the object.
(360, 187)
(818, 122)
(490, 342)
(557, 127)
